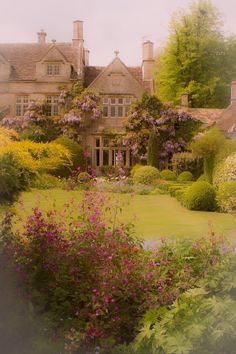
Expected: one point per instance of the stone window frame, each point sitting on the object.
(22, 103)
(53, 69)
(51, 107)
(116, 106)
(101, 148)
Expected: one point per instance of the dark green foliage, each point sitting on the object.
(186, 161)
(168, 175)
(14, 177)
(153, 150)
(185, 176)
(150, 104)
(198, 59)
(77, 156)
(200, 196)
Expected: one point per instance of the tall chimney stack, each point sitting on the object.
(42, 37)
(78, 37)
(233, 92)
(148, 66)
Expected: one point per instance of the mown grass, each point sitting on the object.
(154, 216)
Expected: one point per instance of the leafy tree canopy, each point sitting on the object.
(198, 59)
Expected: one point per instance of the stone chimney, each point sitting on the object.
(148, 66)
(78, 37)
(233, 92)
(42, 37)
(184, 100)
(86, 57)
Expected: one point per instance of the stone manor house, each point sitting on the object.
(36, 71)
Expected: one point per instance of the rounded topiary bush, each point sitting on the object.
(146, 175)
(77, 156)
(135, 168)
(226, 197)
(185, 176)
(84, 177)
(200, 195)
(168, 175)
(202, 178)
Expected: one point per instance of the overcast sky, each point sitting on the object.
(108, 24)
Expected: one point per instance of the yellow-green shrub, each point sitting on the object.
(168, 175)
(46, 156)
(146, 175)
(7, 136)
(134, 169)
(200, 196)
(226, 197)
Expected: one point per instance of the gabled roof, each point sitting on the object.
(91, 73)
(208, 116)
(23, 57)
(116, 78)
(227, 121)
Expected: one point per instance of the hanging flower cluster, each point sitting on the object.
(85, 108)
(174, 130)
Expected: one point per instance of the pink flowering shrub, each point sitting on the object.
(93, 277)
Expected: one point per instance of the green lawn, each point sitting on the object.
(154, 216)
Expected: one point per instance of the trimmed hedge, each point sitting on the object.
(185, 176)
(168, 175)
(146, 175)
(46, 181)
(200, 196)
(77, 156)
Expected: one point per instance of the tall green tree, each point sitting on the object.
(154, 147)
(197, 59)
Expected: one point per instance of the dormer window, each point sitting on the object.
(53, 69)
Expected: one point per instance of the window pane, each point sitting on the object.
(105, 111)
(98, 142)
(127, 100)
(113, 101)
(120, 111)
(113, 111)
(105, 157)
(97, 157)
(106, 142)
(105, 100)
(56, 70)
(123, 152)
(114, 153)
(49, 69)
(126, 110)
(120, 100)
(18, 110)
